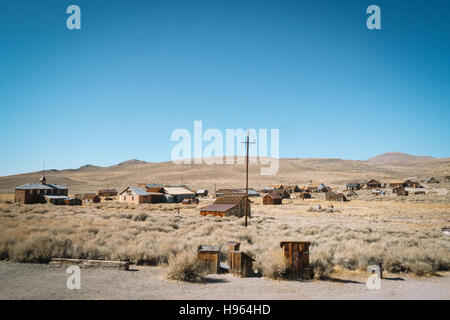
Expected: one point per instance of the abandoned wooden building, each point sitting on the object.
(317, 187)
(240, 263)
(139, 195)
(201, 193)
(272, 199)
(239, 200)
(34, 192)
(397, 184)
(304, 195)
(332, 196)
(352, 193)
(411, 184)
(73, 202)
(178, 194)
(430, 180)
(88, 197)
(400, 191)
(221, 210)
(236, 192)
(228, 206)
(55, 199)
(297, 255)
(107, 193)
(353, 186)
(208, 258)
(373, 184)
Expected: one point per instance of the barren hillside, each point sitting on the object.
(299, 171)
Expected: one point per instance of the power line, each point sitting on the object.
(247, 142)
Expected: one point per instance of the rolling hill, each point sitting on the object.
(90, 178)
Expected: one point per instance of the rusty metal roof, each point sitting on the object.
(136, 190)
(39, 186)
(216, 207)
(274, 196)
(235, 199)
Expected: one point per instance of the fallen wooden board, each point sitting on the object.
(83, 263)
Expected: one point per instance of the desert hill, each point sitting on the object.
(397, 157)
(90, 178)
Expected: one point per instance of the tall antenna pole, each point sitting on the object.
(247, 142)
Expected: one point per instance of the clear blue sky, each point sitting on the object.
(137, 70)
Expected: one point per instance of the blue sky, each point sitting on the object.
(137, 70)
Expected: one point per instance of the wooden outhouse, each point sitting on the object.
(297, 255)
(208, 257)
(232, 246)
(240, 264)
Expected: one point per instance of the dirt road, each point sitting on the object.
(34, 281)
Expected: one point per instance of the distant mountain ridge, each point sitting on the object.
(397, 157)
(90, 178)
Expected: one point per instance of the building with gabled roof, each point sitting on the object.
(373, 184)
(179, 193)
(272, 199)
(107, 193)
(235, 206)
(396, 184)
(139, 195)
(34, 192)
(220, 209)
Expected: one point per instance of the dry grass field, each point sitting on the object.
(405, 236)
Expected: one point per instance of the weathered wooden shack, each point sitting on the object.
(304, 195)
(237, 200)
(297, 255)
(56, 200)
(201, 193)
(400, 191)
(107, 193)
(208, 257)
(88, 197)
(221, 210)
(352, 193)
(240, 263)
(373, 184)
(332, 196)
(272, 199)
(73, 202)
(353, 186)
(430, 180)
(411, 184)
(397, 184)
(179, 193)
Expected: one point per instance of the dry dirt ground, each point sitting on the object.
(39, 281)
(403, 233)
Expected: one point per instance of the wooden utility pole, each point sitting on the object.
(247, 142)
